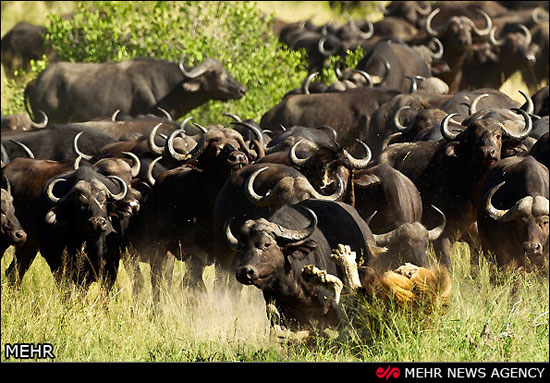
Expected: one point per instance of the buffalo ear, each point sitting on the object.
(300, 250)
(51, 217)
(365, 180)
(192, 85)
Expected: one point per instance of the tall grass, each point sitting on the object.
(502, 318)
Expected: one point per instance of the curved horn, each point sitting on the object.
(150, 177)
(473, 105)
(370, 217)
(527, 32)
(28, 151)
(366, 76)
(387, 68)
(40, 125)
(229, 237)
(305, 84)
(389, 139)
(440, 50)
(361, 163)
(123, 186)
(493, 212)
(429, 28)
(165, 112)
(331, 130)
(526, 130)
(494, 40)
(293, 157)
(115, 114)
(385, 239)
(200, 127)
(338, 71)
(184, 122)
(356, 29)
(529, 101)
(423, 11)
(153, 147)
(296, 235)
(195, 72)
(413, 88)
(482, 32)
(396, 121)
(49, 190)
(233, 116)
(444, 127)
(334, 196)
(322, 49)
(251, 194)
(169, 146)
(434, 233)
(136, 166)
(87, 157)
(257, 132)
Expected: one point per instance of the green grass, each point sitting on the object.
(228, 322)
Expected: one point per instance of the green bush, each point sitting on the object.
(236, 33)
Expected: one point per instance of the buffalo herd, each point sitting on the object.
(338, 188)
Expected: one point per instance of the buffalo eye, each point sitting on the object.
(101, 198)
(498, 136)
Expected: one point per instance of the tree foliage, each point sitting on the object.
(236, 33)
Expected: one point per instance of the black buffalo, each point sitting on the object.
(82, 91)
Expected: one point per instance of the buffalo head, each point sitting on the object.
(266, 247)
(211, 77)
(529, 221)
(11, 230)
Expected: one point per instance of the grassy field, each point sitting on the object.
(501, 320)
(504, 318)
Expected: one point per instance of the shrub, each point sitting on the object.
(236, 33)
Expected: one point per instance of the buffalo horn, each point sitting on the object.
(115, 114)
(49, 190)
(396, 121)
(257, 132)
(195, 72)
(40, 125)
(136, 165)
(434, 233)
(305, 84)
(296, 235)
(293, 157)
(530, 106)
(233, 116)
(444, 127)
(230, 238)
(153, 147)
(87, 157)
(165, 112)
(123, 186)
(150, 179)
(361, 163)
(429, 28)
(27, 150)
(526, 130)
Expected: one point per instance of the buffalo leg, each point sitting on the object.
(22, 260)
(162, 266)
(442, 248)
(131, 264)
